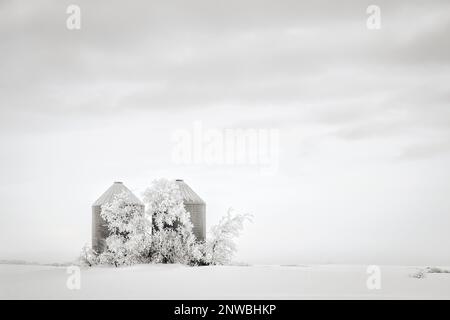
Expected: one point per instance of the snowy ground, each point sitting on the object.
(233, 282)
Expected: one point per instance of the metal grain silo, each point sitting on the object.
(99, 227)
(196, 207)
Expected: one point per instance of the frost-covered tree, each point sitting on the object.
(172, 238)
(129, 240)
(162, 233)
(220, 246)
(88, 257)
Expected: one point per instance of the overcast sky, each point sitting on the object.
(363, 118)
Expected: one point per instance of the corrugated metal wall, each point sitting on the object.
(99, 230)
(198, 219)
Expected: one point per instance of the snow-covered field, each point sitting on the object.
(231, 282)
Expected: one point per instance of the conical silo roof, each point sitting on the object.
(115, 189)
(189, 196)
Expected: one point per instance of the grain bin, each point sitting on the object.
(99, 227)
(196, 207)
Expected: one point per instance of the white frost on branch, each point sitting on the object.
(172, 238)
(165, 204)
(129, 229)
(220, 246)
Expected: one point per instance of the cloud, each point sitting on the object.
(181, 55)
